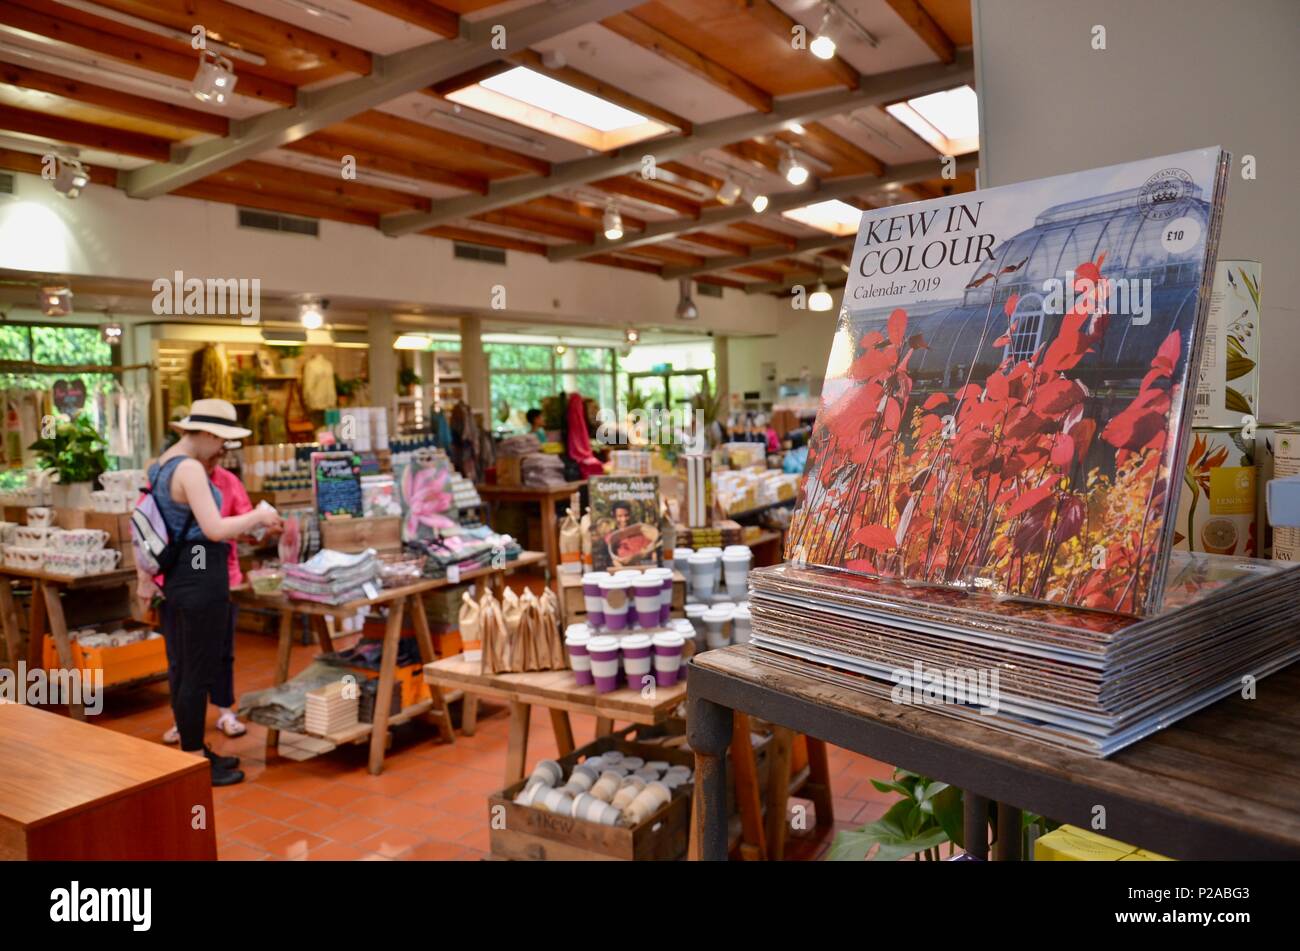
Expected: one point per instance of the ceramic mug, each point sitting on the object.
(79, 539)
(40, 517)
(105, 559)
(26, 559)
(31, 536)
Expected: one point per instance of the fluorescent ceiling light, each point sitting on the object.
(413, 342)
(833, 216)
(538, 101)
(948, 120)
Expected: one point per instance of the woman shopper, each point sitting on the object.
(196, 592)
(234, 501)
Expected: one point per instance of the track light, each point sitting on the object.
(312, 316)
(794, 171)
(822, 46)
(56, 300)
(215, 80)
(111, 333)
(632, 335)
(71, 177)
(757, 201)
(561, 349)
(613, 223)
(820, 299)
(686, 309)
(728, 192)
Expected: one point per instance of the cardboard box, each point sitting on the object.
(358, 534)
(1218, 500)
(1072, 844)
(510, 470)
(1228, 386)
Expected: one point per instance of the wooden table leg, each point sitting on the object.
(551, 543)
(604, 726)
(387, 677)
(59, 631)
(1007, 846)
(282, 651)
(9, 616)
(517, 746)
(424, 640)
(324, 639)
(36, 628)
(563, 731)
(818, 787)
(778, 791)
(469, 714)
(709, 730)
(753, 841)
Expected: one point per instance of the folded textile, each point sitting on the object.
(284, 707)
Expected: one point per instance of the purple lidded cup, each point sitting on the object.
(637, 662)
(576, 638)
(668, 657)
(603, 652)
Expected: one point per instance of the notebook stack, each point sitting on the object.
(332, 708)
(986, 519)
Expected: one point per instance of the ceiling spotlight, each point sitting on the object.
(728, 192)
(561, 349)
(613, 223)
(822, 46)
(554, 59)
(632, 335)
(111, 333)
(71, 177)
(795, 172)
(56, 300)
(312, 316)
(757, 201)
(820, 299)
(686, 309)
(215, 80)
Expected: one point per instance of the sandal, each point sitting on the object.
(229, 724)
(172, 736)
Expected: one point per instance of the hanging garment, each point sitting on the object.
(318, 391)
(464, 441)
(579, 443)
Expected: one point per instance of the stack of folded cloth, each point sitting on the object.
(522, 445)
(463, 493)
(333, 577)
(542, 469)
(472, 548)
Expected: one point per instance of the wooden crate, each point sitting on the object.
(358, 534)
(281, 498)
(530, 834)
(138, 661)
(71, 518)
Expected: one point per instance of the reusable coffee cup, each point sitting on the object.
(576, 638)
(556, 801)
(581, 803)
(665, 576)
(627, 792)
(605, 787)
(741, 624)
(603, 652)
(526, 797)
(580, 780)
(615, 593)
(658, 764)
(668, 647)
(38, 516)
(636, 661)
(715, 628)
(648, 588)
(735, 571)
(704, 574)
(612, 756)
(682, 560)
(646, 802)
(591, 595)
(695, 617)
(648, 774)
(548, 772)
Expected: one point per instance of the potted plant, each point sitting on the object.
(290, 357)
(407, 381)
(77, 455)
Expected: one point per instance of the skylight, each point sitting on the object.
(533, 99)
(834, 216)
(948, 120)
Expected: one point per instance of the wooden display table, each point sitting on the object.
(556, 690)
(546, 498)
(397, 600)
(47, 613)
(73, 791)
(1219, 784)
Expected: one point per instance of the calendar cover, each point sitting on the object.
(1007, 397)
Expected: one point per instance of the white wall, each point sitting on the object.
(804, 340)
(105, 234)
(1175, 75)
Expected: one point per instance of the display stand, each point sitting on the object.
(397, 600)
(1217, 785)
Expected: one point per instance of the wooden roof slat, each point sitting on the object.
(137, 51)
(781, 23)
(766, 235)
(716, 242)
(712, 182)
(290, 181)
(664, 253)
(334, 150)
(512, 219)
(289, 206)
(612, 260)
(27, 162)
(719, 281)
(630, 27)
(763, 273)
(762, 155)
(287, 48)
(924, 26)
(469, 235)
(644, 191)
(469, 78)
(579, 209)
(112, 99)
(84, 134)
(861, 158)
(427, 16)
(410, 129)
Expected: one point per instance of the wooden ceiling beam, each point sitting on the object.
(663, 253)
(491, 240)
(628, 26)
(112, 99)
(923, 25)
(759, 154)
(611, 260)
(17, 161)
(711, 182)
(289, 206)
(468, 78)
(427, 16)
(776, 258)
(85, 134)
(291, 182)
(137, 52)
(763, 273)
(719, 281)
(504, 218)
(833, 149)
(593, 213)
(766, 235)
(643, 191)
(424, 134)
(780, 23)
(335, 149)
(716, 242)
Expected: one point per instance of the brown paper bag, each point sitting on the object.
(571, 538)
(550, 605)
(584, 528)
(510, 609)
(527, 636)
(492, 628)
(471, 642)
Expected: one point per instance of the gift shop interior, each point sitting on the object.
(846, 420)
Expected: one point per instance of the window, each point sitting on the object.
(1027, 336)
(521, 376)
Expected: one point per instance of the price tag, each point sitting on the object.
(370, 590)
(453, 574)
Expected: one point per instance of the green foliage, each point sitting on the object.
(408, 378)
(76, 452)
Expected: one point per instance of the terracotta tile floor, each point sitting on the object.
(429, 803)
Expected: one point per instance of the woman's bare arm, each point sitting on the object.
(190, 486)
